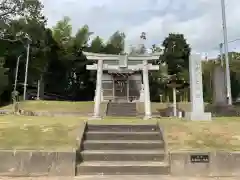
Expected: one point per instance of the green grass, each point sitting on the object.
(220, 134)
(57, 106)
(156, 106)
(20, 132)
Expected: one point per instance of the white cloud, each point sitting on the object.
(199, 20)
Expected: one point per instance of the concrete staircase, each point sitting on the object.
(121, 109)
(122, 150)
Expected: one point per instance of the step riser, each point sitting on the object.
(122, 109)
(122, 137)
(122, 115)
(122, 106)
(123, 128)
(122, 146)
(123, 157)
(123, 170)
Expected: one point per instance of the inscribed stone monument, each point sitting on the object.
(196, 90)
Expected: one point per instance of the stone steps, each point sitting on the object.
(122, 145)
(126, 128)
(122, 150)
(121, 109)
(122, 155)
(123, 168)
(90, 135)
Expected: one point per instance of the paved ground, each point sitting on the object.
(120, 178)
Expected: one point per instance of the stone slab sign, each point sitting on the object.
(220, 164)
(196, 90)
(29, 163)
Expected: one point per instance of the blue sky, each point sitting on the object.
(199, 20)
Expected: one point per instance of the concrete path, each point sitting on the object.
(119, 178)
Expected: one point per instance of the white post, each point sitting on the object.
(147, 102)
(98, 93)
(16, 73)
(174, 102)
(38, 90)
(26, 73)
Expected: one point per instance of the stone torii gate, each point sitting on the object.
(122, 64)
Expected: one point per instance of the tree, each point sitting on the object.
(10, 8)
(116, 43)
(176, 53)
(3, 76)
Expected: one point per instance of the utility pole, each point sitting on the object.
(221, 53)
(228, 78)
(26, 72)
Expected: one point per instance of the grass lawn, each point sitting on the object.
(19, 132)
(84, 106)
(57, 106)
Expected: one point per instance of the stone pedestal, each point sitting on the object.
(194, 116)
(196, 90)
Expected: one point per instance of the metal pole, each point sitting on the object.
(221, 53)
(16, 73)
(228, 78)
(26, 72)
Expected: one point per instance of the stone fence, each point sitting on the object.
(37, 163)
(205, 164)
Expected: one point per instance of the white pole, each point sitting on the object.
(174, 102)
(16, 73)
(228, 78)
(38, 90)
(147, 102)
(26, 72)
(221, 53)
(97, 100)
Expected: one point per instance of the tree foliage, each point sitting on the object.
(176, 53)
(56, 58)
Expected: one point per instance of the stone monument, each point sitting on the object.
(196, 91)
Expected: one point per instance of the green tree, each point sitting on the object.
(116, 43)
(3, 76)
(176, 53)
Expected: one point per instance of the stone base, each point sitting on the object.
(147, 117)
(194, 116)
(95, 118)
(141, 99)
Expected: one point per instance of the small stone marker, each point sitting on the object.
(196, 90)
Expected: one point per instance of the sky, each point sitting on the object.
(199, 20)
